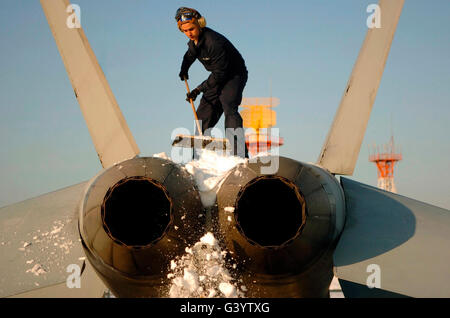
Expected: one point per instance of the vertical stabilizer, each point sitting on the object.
(109, 131)
(342, 145)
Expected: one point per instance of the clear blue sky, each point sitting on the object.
(305, 48)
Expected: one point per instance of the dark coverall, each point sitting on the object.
(222, 90)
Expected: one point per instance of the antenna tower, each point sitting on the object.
(385, 161)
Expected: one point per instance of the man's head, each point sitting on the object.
(192, 31)
(190, 22)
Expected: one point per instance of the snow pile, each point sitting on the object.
(37, 270)
(208, 172)
(229, 209)
(162, 155)
(51, 237)
(201, 272)
(46, 250)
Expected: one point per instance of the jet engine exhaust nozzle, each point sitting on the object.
(273, 222)
(280, 228)
(135, 217)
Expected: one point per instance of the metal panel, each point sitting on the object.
(342, 145)
(109, 131)
(90, 286)
(39, 239)
(406, 238)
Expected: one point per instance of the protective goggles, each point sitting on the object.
(185, 15)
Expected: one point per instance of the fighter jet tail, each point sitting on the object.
(341, 148)
(112, 138)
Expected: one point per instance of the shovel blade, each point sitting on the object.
(201, 142)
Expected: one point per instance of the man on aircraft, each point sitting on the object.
(222, 90)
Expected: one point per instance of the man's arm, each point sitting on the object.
(220, 61)
(188, 59)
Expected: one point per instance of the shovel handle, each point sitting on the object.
(193, 109)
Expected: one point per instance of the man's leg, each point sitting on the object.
(208, 113)
(230, 98)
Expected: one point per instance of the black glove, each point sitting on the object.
(183, 74)
(192, 95)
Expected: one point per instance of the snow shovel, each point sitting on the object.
(200, 141)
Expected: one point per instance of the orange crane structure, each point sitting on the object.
(258, 115)
(385, 161)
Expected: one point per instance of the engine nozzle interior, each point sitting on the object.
(270, 211)
(136, 211)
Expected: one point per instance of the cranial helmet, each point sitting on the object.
(185, 15)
